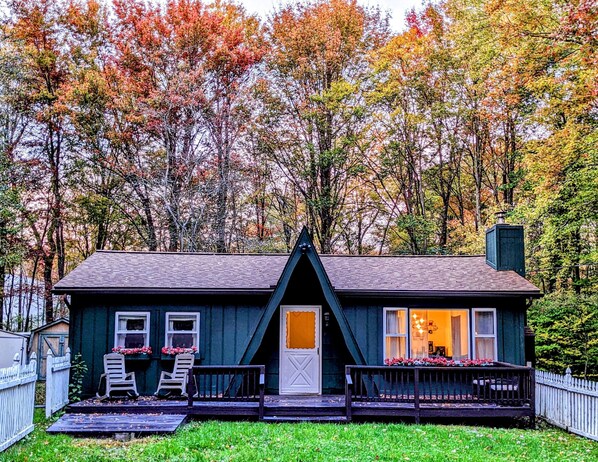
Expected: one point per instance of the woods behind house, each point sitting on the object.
(192, 126)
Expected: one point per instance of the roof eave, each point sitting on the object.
(267, 291)
(158, 291)
(438, 293)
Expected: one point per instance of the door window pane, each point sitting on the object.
(301, 329)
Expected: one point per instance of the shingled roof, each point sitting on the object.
(159, 272)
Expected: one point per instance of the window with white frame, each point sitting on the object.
(395, 333)
(182, 330)
(484, 328)
(132, 329)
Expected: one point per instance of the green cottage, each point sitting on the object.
(304, 316)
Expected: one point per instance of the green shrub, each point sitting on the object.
(566, 327)
(78, 371)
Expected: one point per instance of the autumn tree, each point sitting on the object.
(35, 29)
(13, 125)
(417, 94)
(185, 69)
(317, 118)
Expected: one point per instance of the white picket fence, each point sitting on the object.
(568, 402)
(58, 371)
(17, 397)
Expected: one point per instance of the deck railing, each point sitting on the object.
(500, 385)
(226, 383)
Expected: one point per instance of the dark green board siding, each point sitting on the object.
(366, 324)
(226, 324)
(511, 341)
(365, 320)
(225, 328)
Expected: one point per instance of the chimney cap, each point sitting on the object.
(500, 217)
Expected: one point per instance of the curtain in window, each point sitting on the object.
(396, 336)
(484, 323)
(456, 336)
(484, 348)
(394, 323)
(485, 334)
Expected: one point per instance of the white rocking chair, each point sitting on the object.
(177, 379)
(117, 380)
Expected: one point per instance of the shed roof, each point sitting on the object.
(164, 272)
(50, 324)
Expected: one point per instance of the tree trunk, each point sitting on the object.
(2, 282)
(48, 261)
(221, 201)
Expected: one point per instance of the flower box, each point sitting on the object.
(172, 351)
(134, 353)
(438, 362)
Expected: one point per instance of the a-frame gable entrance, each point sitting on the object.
(304, 248)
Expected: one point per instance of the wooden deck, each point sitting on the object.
(274, 405)
(371, 392)
(293, 408)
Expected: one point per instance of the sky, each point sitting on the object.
(397, 8)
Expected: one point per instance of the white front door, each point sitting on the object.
(300, 363)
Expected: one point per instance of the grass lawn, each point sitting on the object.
(243, 441)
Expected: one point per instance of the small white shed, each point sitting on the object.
(12, 343)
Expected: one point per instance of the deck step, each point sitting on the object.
(293, 411)
(315, 419)
(109, 424)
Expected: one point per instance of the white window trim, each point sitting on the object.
(476, 335)
(146, 331)
(181, 313)
(405, 335)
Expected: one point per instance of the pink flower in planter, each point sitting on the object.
(177, 351)
(132, 351)
(439, 362)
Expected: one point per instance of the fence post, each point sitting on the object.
(49, 382)
(16, 360)
(568, 399)
(532, 402)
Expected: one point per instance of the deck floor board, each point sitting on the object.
(107, 424)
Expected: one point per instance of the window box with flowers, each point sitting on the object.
(131, 334)
(182, 334)
(438, 362)
(144, 352)
(169, 352)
